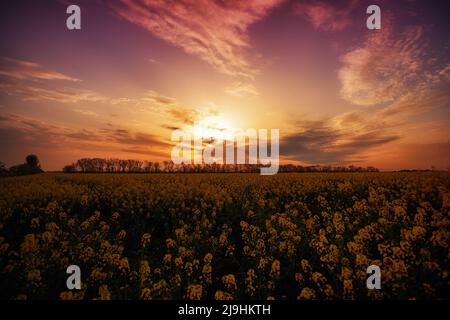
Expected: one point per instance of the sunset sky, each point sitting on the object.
(339, 93)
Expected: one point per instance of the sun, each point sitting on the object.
(216, 127)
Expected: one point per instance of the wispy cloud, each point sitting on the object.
(131, 138)
(28, 132)
(149, 98)
(154, 61)
(419, 101)
(159, 99)
(20, 69)
(325, 16)
(354, 136)
(384, 68)
(150, 102)
(188, 116)
(39, 93)
(19, 81)
(393, 69)
(32, 82)
(338, 140)
(215, 31)
(242, 89)
(84, 112)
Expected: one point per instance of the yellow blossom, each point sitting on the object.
(307, 294)
(208, 258)
(146, 294)
(275, 269)
(145, 240)
(122, 234)
(229, 281)
(104, 292)
(194, 292)
(220, 295)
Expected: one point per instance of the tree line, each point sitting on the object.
(98, 165)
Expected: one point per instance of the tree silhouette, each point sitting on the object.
(3, 169)
(71, 168)
(32, 160)
(31, 166)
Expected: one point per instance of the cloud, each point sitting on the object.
(325, 16)
(384, 68)
(418, 102)
(215, 31)
(357, 135)
(20, 69)
(39, 93)
(150, 101)
(183, 115)
(169, 127)
(335, 141)
(188, 116)
(31, 81)
(28, 124)
(241, 89)
(126, 137)
(159, 99)
(20, 134)
(394, 72)
(153, 61)
(83, 112)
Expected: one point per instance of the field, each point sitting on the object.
(225, 236)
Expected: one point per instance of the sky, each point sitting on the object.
(339, 93)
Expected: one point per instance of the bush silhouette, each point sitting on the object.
(32, 160)
(31, 166)
(3, 169)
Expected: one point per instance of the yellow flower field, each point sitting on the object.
(225, 236)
